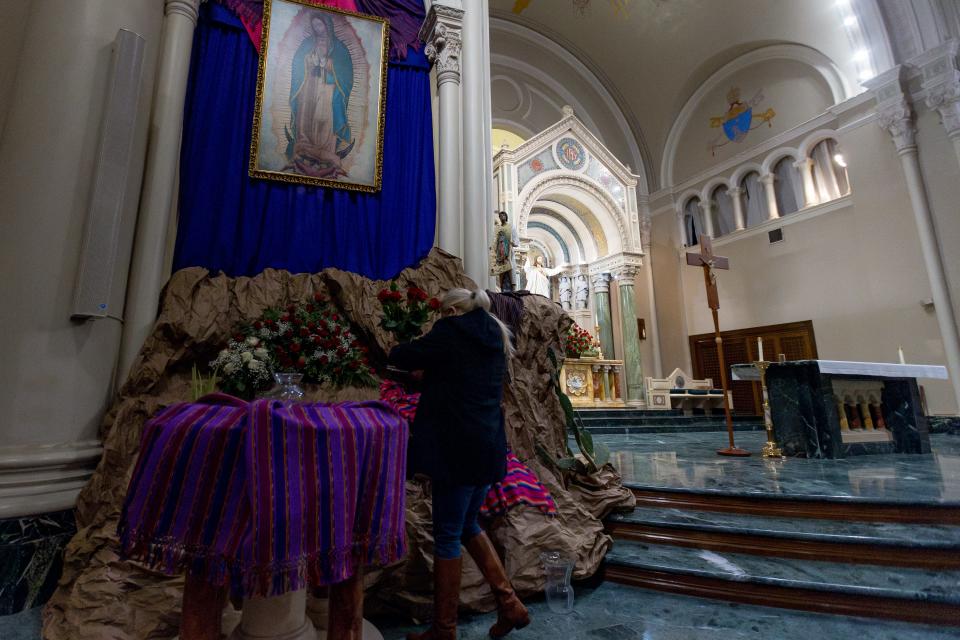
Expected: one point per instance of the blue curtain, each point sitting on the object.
(232, 223)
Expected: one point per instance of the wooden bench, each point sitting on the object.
(680, 391)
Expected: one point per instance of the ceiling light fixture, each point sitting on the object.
(861, 54)
(839, 159)
(850, 21)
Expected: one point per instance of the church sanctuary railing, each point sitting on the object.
(593, 383)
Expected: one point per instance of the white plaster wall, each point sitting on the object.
(57, 374)
(12, 29)
(794, 90)
(857, 273)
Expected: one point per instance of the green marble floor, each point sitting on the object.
(615, 612)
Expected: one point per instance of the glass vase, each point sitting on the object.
(559, 571)
(287, 389)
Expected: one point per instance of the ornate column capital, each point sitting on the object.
(941, 81)
(442, 32)
(894, 113)
(768, 178)
(897, 120)
(190, 9)
(736, 192)
(803, 163)
(625, 274)
(600, 282)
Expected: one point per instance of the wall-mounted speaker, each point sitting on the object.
(97, 276)
(775, 235)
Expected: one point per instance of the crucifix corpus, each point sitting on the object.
(709, 262)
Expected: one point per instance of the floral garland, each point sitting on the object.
(310, 338)
(405, 320)
(578, 341)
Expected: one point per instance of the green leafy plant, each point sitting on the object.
(201, 385)
(593, 455)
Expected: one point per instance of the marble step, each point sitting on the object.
(882, 543)
(633, 429)
(915, 595)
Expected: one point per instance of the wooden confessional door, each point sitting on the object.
(794, 340)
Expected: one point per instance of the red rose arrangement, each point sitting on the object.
(578, 341)
(405, 313)
(311, 338)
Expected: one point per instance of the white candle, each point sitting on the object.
(760, 347)
(900, 352)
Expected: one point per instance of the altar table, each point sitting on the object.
(268, 499)
(834, 408)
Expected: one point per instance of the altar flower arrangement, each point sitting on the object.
(310, 338)
(578, 342)
(405, 313)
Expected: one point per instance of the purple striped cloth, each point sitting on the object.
(265, 497)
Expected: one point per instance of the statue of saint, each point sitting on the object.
(319, 135)
(538, 276)
(503, 244)
(583, 291)
(566, 293)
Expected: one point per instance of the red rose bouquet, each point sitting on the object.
(405, 313)
(310, 338)
(578, 341)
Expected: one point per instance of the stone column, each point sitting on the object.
(441, 31)
(147, 270)
(770, 190)
(706, 208)
(896, 116)
(739, 219)
(477, 156)
(810, 196)
(601, 303)
(632, 366)
(653, 328)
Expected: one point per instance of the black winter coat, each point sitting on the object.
(458, 436)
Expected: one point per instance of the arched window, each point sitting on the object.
(724, 221)
(787, 186)
(691, 222)
(829, 171)
(754, 199)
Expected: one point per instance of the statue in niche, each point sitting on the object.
(503, 244)
(566, 293)
(583, 291)
(538, 276)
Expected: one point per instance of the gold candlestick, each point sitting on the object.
(770, 448)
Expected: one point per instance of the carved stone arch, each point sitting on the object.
(813, 140)
(776, 156)
(743, 171)
(556, 180)
(707, 192)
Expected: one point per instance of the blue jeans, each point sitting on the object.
(455, 512)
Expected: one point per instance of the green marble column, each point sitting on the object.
(601, 304)
(632, 367)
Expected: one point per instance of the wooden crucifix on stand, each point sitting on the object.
(709, 262)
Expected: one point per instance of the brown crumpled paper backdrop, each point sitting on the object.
(101, 596)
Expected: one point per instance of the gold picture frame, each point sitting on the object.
(321, 97)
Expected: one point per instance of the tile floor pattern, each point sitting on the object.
(615, 612)
(688, 461)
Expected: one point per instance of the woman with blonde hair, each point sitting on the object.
(458, 440)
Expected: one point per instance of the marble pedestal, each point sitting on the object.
(806, 420)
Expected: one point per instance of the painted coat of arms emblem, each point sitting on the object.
(739, 120)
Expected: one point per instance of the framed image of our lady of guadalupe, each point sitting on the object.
(321, 96)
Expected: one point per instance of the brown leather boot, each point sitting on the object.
(202, 608)
(446, 601)
(511, 614)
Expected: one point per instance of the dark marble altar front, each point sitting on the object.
(807, 423)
